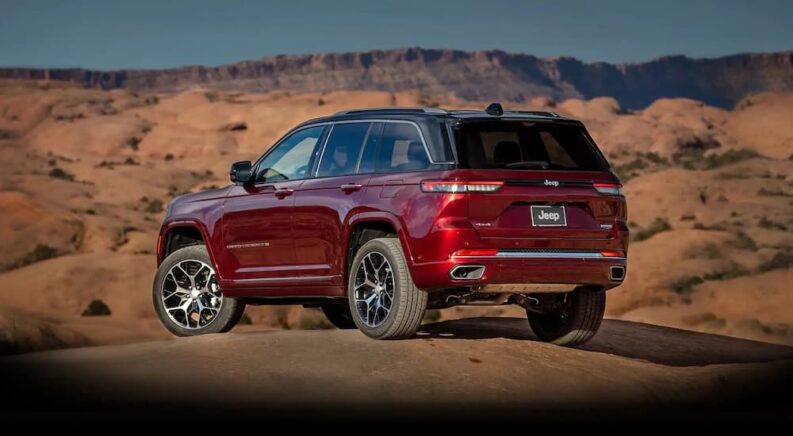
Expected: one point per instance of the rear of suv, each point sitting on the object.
(377, 215)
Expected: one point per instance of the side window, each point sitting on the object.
(369, 155)
(401, 149)
(289, 161)
(342, 149)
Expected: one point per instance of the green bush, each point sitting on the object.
(657, 226)
(96, 308)
(58, 173)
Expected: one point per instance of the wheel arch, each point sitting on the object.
(365, 227)
(180, 234)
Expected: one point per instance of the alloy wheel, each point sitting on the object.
(374, 289)
(190, 294)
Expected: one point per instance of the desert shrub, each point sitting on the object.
(133, 143)
(169, 156)
(781, 260)
(58, 173)
(688, 217)
(96, 308)
(712, 227)
(152, 100)
(90, 212)
(69, 118)
(245, 320)
(706, 251)
(657, 226)
(774, 193)
(145, 129)
(39, 253)
(174, 191)
(154, 205)
(6, 134)
(771, 225)
(695, 159)
(431, 316)
(130, 161)
(211, 97)
(730, 271)
(320, 102)
(742, 241)
(655, 158)
(629, 170)
(685, 286)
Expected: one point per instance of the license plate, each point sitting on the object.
(548, 216)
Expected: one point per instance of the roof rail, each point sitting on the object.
(395, 110)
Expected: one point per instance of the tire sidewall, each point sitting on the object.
(229, 314)
(398, 264)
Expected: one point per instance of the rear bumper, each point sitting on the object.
(512, 270)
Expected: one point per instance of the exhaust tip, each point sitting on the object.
(617, 273)
(467, 272)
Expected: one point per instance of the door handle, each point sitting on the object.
(281, 193)
(350, 187)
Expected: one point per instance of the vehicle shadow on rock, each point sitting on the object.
(657, 344)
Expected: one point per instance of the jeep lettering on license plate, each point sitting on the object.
(548, 216)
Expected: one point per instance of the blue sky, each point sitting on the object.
(169, 33)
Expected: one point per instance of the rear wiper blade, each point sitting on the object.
(530, 164)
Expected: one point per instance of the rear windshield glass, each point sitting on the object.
(526, 145)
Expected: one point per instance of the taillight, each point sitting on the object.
(611, 253)
(455, 186)
(609, 189)
(475, 252)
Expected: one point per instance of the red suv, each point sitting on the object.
(378, 215)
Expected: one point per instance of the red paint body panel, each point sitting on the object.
(263, 244)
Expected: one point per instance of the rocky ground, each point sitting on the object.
(481, 369)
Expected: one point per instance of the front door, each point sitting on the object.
(257, 218)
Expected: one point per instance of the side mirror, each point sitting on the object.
(240, 171)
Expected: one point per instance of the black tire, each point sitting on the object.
(339, 315)
(408, 303)
(576, 322)
(230, 312)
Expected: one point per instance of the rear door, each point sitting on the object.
(323, 203)
(556, 184)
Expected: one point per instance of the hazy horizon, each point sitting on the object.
(147, 34)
